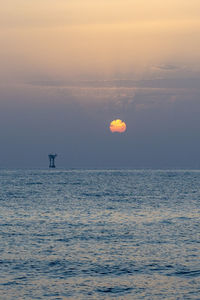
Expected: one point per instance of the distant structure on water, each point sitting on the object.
(52, 160)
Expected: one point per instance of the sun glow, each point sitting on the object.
(117, 126)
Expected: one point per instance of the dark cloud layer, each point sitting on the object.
(162, 125)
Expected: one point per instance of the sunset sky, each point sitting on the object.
(68, 68)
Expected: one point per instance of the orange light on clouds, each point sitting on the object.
(117, 126)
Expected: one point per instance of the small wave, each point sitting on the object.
(114, 290)
(33, 183)
(91, 195)
(65, 240)
(76, 183)
(194, 273)
(10, 283)
(157, 267)
(54, 263)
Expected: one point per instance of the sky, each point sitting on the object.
(68, 68)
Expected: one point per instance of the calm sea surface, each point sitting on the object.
(76, 234)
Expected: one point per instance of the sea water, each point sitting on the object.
(99, 234)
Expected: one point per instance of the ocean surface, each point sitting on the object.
(99, 234)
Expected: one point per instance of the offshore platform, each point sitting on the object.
(52, 160)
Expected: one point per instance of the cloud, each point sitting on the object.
(119, 96)
(167, 67)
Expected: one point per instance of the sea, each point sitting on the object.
(99, 234)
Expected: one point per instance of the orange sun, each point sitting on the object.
(117, 126)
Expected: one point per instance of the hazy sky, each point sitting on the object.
(69, 67)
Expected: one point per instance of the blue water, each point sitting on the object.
(76, 234)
